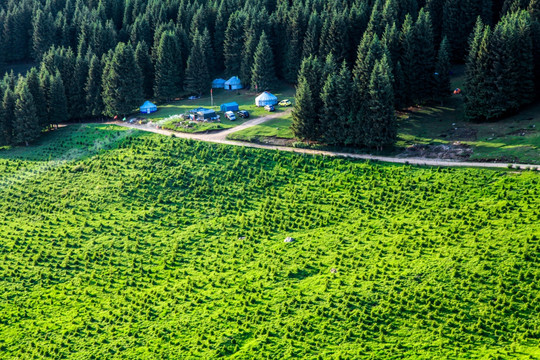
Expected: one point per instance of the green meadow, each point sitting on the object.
(120, 244)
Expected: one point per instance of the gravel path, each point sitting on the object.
(221, 138)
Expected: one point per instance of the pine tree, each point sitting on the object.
(42, 35)
(424, 78)
(247, 57)
(57, 106)
(263, 73)
(306, 117)
(313, 33)
(335, 114)
(93, 89)
(7, 114)
(293, 52)
(380, 127)
(197, 73)
(33, 82)
(26, 123)
(142, 57)
(122, 82)
(168, 74)
(408, 59)
(234, 42)
(77, 96)
(305, 123)
(442, 69)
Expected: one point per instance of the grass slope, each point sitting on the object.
(277, 127)
(123, 244)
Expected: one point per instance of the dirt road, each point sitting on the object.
(221, 138)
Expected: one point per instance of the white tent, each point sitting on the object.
(233, 83)
(266, 99)
(218, 83)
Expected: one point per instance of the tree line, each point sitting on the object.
(108, 55)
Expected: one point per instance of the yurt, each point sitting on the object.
(266, 99)
(233, 83)
(218, 84)
(148, 108)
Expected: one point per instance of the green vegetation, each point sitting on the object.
(277, 128)
(124, 244)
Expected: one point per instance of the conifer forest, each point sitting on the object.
(353, 61)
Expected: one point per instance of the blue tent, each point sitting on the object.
(148, 108)
(233, 83)
(218, 83)
(229, 107)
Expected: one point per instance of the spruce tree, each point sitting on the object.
(233, 44)
(311, 39)
(408, 59)
(57, 106)
(38, 94)
(142, 57)
(7, 114)
(305, 123)
(42, 34)
(250, 46)
(380, 127)
(168, 74)
(197, 72)
(263, 74)
(122, 82)
(424, 78)
(442, 69)
(25, 121)
(93, 89)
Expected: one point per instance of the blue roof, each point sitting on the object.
(148, 104)
(230, 104)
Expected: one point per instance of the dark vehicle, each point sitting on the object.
(243, 114)
(269, 108)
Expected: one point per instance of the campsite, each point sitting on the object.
(167, 115)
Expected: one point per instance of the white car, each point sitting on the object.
(230, 115)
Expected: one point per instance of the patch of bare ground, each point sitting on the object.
(454, 151)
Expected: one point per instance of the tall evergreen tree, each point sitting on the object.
(197, 72)
(442, 69)
(122, 82)
(93, 89)
(168, 74)
(305, 123)
(7, 114)
(263, 73)
(42, 35)
(26, 123)
(234, 41)
(38, 94)
(142, 57)
(380, 127)
(57, 106)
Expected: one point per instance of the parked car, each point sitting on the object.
(269, 108)
(230, 115)
(194, 97)
(243, 114)
(285, 102)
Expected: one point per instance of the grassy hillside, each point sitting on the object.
(121, 244)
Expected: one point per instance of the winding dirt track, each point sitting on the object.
(221, 138)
